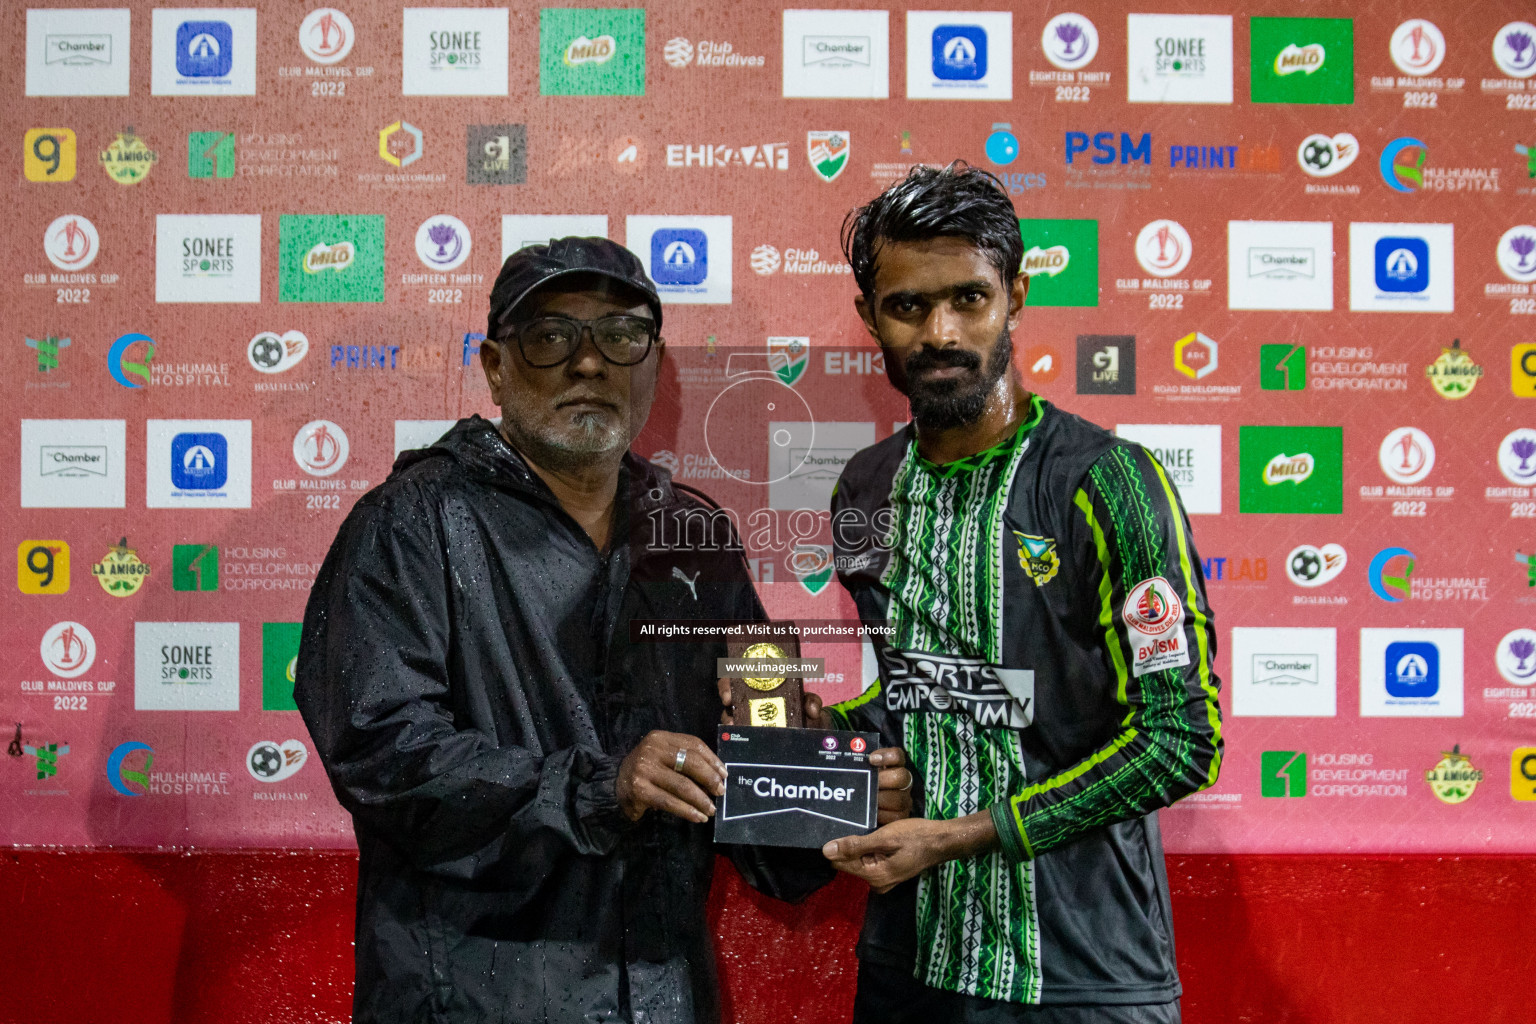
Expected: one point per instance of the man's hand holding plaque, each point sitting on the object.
(797, 782)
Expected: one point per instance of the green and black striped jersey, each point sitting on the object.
(1049, 661)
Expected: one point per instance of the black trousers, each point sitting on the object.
(890, 995)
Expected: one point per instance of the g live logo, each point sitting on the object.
(1522, 773)
(1283, 773)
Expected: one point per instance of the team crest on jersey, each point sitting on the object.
(1154, 624)
(1037, 557)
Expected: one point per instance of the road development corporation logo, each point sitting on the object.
(1323, 156)
(268, 761)
(1453, 779)
(1163, 248)
(1069, 41)
(1311, 566)
(1195, 355)
(71, 242)
(326, 35)
(442, 242)
(1514, 49)
(270, 352)
(1154, 625)
(1516, 657)
(321, 448)
(1417, 47)
(68, 649)
(1406, 455)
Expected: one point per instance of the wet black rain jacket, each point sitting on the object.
(467, 674)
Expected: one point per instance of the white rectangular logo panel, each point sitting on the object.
(1285, 672)
(837, 54)
(1191, 456)
(186, 666)
(73, 52)
(454, 51)
(805, 459)
(520, 229)
(959, 55)
(73, 463)
(1411, 673)
(1179, 58)
(197, 464)
(208, 258)
(1280, 264)
(411, 434)
(689, 258)
(1402, 268)
(203, 51)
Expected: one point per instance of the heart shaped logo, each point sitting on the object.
(270, 352)
(1311, 566)
(1323, 157)
(273, 762)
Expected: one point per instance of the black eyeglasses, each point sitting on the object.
(551, 340)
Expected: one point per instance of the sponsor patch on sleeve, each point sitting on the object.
(1154, 625)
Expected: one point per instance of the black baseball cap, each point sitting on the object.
(535, 265)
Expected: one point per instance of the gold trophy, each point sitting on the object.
(767, 699)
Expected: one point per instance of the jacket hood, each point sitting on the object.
(478, 449)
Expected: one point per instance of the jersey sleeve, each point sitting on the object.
(1157, 635)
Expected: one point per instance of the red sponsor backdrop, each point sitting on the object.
(307, 141)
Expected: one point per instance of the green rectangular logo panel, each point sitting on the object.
(279, 652)
(1301, 60)
(1291, 470)
(330, 258)
(1061, 258)
(592, 51)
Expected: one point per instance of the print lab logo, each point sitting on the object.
(1069, 41)
(326, 35)
(1323, 156)
(321, 448)
(68, 649)
(71, 242)
(1514, 49)
(442, 242)
(1417, 47)
(1311, 566)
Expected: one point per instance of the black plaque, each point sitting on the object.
(795, 787)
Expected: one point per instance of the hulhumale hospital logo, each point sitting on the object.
(127, 772)
(1402, 164)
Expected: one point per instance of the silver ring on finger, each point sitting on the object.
(910, 780)
(677, 762)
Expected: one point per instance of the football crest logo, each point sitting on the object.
(1037, 557)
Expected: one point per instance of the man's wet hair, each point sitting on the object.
(958, 201)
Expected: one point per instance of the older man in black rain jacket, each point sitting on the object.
(530, 788)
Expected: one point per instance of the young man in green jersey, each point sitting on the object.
(1049, 669)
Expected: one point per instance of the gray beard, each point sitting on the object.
(591, 443)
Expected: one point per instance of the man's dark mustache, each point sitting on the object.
(938, 358)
